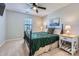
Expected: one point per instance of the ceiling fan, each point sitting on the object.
(36, 7)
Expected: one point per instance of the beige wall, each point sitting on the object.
(37, 24)
(15, 24)
(3, 28)
(68, 15)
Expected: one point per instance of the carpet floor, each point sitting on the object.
(19, 48)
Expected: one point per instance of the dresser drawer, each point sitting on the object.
(68, 39)
(63, 37)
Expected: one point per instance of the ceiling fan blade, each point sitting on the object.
(41, 7)
(34, 4)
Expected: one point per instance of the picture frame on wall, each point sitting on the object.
(54, 23)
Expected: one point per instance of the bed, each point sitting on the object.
(40, 39)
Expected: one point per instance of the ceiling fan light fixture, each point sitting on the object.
(34, 8)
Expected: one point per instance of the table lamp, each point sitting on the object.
(67, 29)
(41, 28)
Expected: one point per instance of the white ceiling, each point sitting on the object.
(24, 8)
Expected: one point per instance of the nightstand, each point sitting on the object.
(68, 43)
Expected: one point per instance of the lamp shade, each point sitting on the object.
(67, 27)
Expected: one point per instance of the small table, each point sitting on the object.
(69, 43)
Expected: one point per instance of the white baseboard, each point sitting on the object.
(10, 40)
(14, 39)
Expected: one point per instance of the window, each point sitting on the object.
(28, 23)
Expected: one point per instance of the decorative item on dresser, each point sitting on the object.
(62, 30)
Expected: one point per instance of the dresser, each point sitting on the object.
(69, 43)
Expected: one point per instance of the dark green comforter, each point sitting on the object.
(40, 39)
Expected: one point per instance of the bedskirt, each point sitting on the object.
(46, 49)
